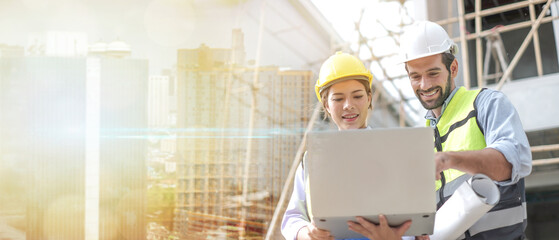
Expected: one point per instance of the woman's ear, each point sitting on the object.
(326, 107)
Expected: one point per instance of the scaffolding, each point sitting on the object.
(534, 22)
(402, 106)
(240, 128)
(494, 45)
(220, 189)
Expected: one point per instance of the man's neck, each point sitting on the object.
(437, 111)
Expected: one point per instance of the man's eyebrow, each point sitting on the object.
(434, 69)
(428, 70)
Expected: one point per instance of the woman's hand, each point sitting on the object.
(378, 232)
(311, 232)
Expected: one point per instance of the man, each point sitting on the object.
(477, 131)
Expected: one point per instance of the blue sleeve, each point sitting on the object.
(503, 131)
(295, 216)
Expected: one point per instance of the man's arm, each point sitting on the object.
(487, 161)
(507, 157)
(503, 130)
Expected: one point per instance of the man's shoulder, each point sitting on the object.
(488, 94)
(490, 91)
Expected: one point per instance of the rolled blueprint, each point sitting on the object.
(469, 203)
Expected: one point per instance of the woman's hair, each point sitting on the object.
(324, 96)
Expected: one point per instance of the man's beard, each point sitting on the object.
(440, 101)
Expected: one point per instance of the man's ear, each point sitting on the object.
(454, 68)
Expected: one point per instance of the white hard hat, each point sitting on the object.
(424, 39)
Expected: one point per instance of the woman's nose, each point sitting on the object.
(348, 104)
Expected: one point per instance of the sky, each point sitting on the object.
(155, 29)
(377, 17)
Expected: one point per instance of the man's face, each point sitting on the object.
(431, 81)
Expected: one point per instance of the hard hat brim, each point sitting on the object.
(362, 77)
(452, 50)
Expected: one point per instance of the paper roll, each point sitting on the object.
(473, 199)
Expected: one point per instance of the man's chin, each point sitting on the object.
(427, 106)
(431, 104)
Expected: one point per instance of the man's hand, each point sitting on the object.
(311, 232)
(487, 161)
(378, 232)
(442, 162)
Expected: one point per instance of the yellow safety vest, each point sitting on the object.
(457, 130)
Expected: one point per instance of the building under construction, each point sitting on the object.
(240, 128)
(233, 186)
(225, 121)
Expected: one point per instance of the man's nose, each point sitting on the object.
(425, 84)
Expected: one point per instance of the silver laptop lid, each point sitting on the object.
(369, 172)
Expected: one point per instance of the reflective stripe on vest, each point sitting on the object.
(458, 130)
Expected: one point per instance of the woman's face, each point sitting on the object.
(348, 103)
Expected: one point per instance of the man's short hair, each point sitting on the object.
(447, 59)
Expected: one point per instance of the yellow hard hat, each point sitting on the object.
(339, 67)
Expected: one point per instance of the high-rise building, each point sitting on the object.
(159, 114)
(238, 131)
(57, 44)
(74, 127)
(11, 51)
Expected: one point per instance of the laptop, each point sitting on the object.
(370, 172)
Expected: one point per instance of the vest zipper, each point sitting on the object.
(439, 146)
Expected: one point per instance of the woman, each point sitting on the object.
(344, 89)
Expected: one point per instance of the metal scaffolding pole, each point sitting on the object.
(543, 162)
(289, 181)
(522, 48)
(479, 50)
(536, 41)
(543, 148)
(506, 28)
(464, 44)
(255, 87)
(491, 11)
